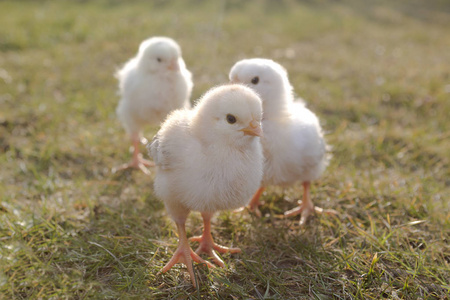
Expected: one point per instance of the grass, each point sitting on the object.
(375, 72)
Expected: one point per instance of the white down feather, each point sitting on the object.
(205, 164)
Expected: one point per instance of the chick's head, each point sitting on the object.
(268, 78)
(159, 54)
(229, 114)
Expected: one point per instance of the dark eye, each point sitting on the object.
(159, 59)
(231, 119)
(255, 80)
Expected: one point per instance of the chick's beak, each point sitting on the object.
(174, 66)
(253, 128)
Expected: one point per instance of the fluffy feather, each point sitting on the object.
(294, 147)
(149, 88)
(151, 85)
(205, 163)
(293, 142)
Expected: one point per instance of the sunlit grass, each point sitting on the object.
(376, 74)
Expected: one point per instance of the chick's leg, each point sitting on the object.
(207, 244)
(137, 162)
(184, 254)
(137, 159)
(306, 207)
(254, 202)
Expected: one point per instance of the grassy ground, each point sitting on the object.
(376, 73)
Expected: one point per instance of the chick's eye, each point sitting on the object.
(255, 80)
(231, 119)
(159, 59)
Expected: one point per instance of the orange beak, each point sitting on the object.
(174, 66)
(253, 128)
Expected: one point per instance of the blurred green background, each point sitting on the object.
(375, 72)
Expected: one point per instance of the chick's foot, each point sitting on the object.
(185, 255)
(306, 207)
(207, 245)
(136, 163)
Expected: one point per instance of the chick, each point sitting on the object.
(208, 159)
(151, 85)
(293, 142)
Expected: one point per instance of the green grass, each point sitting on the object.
(377, 74)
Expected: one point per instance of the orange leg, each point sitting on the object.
(185, 255)
(254, 202)
(207, 244)
(306, 207)
(137, 162)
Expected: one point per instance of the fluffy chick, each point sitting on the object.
(151, 85)
(208, 159)
(293, 142)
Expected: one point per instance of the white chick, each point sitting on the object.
(293, 142)
(151, 84)
(208, 159)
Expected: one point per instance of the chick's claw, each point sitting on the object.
(136, 163)
(255, 210)
(132, 165)
(207, 245)
(239, 210)
(307, 210)
(304, 210)
(185, 255)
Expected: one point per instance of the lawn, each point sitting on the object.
(375, 72)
